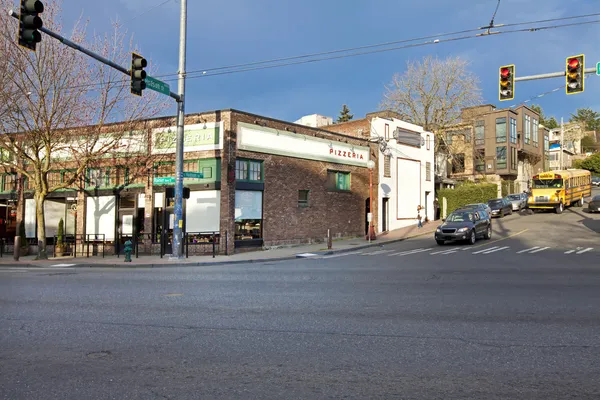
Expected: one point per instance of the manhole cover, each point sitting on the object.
(99, 354)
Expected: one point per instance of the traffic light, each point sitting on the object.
(29, 23)
(507, 82)
(574, 74)
(138, 75)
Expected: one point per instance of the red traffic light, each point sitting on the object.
(505, 72)
(573, 63)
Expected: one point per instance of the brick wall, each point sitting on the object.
(284, 222)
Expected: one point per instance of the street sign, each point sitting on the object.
(196, 175)
(164, 180)
(157, 86)
(598, 68)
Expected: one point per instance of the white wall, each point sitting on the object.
(53, 212)
(100, 217)
(408, 182)
(203, 211)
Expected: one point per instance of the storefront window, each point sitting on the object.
(248, 215)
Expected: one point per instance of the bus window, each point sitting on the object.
(547, 184)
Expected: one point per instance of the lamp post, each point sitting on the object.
(371, 233)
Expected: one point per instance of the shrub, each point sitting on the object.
(467, 194)
(61, 233)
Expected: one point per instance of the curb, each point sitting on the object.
(212, 263)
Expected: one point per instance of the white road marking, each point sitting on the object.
(444, 252)
(63, 265)
(305, 255)
(408, 252)
(342, 254)
(584, 251)
(542, 249)
(526, 250)
(570, 251)
(484, 250)
(377, 252)
(498, 249)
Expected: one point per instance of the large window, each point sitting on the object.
(527, 128)
(480, 161)
(546, 143)
(337, 180)
(501, 157)
(248, 215)
(535, 132)
(513, 130)
(248, 170)
(458, 163)
(501, 130)
(514, 160)
(479, 133)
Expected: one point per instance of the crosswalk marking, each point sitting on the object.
(443, 252)
(570, 251)
(377, 252)
(484, 250)
(538, 250)
(342, 254)
(405, 253)
(526, 250)
(584, 251)
(494, 250)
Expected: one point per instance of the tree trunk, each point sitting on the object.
(41, 226)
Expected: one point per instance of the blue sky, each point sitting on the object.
(222, 33)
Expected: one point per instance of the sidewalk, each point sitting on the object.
(283, 253)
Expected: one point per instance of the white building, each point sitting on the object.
(405, 168)
(315, 120)
(555, 160)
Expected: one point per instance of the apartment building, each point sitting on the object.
(506, 146)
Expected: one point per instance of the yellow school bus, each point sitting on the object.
(559, 189)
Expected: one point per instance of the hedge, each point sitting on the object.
(467, 194)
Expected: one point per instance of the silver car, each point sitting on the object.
(518, 200)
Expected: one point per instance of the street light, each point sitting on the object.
(371, 233)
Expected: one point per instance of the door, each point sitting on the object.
(385, 214)
(367, 211)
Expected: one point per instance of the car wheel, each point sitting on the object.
(580, 203)
(440, 242)
(559, 209)
(488, 233)
(472, 237)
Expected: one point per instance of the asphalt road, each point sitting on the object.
(392, 322)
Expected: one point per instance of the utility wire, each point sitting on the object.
(254, 66)
(148, 10)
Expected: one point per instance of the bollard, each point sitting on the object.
(17, 248)
(329, 240)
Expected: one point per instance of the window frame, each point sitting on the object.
(535, 132)
(504, 163)
(501, 139)
(513, 130)
(479, 140)
(335, 187)
(247, 162)
(303, 203)
(527, 128)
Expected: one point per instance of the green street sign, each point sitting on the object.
(157, 86)
(598, 68)
(164, 180)
(196, 175)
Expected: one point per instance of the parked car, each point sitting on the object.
(518, 201)
(594, 204)
(596, 181)
(464, 224)
(500, 207)
(479, 206)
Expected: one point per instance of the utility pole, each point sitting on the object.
(178, 225)
(562, 135)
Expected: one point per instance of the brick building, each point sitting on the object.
(265, 183)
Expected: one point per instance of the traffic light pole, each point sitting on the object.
(178, 209)
(95, 56)
(550, 75)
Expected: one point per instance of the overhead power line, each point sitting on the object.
(356, 51)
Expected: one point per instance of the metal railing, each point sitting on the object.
(81, 243)
(212, 239)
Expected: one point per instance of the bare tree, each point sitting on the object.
(431, 93)
(58, 108)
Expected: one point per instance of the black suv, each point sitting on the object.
(464, 224)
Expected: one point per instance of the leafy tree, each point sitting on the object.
(590, 118)
(549, 123)
(592, 163)
(345, 115)
(588, 144)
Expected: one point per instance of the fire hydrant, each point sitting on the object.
(128, 249)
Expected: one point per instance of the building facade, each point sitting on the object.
(506, 146)
(253, 182)
(404, 172)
